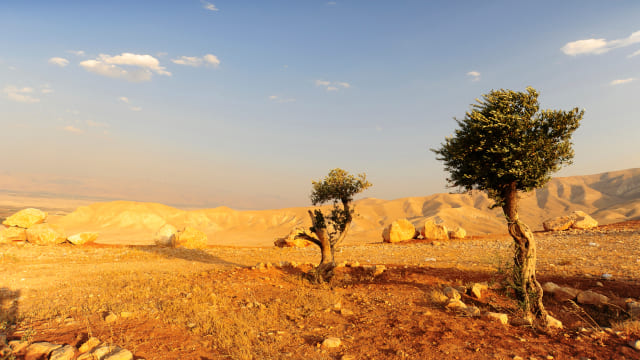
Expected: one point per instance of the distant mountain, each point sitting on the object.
(608, 197)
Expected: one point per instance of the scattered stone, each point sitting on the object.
(110, 317)
(549, 287)
(17, 346)
(599, 284)
(294, 239)
(472, 311)
(553, 322)
(499, 317)
(635, 344)
(166, 235)
(26, 218)
(119, 354)
(607, 276)
(101, 351)
(348, 357)
(456, 304)
(378, 269)
(12, 234)
(434, 230)
(40, 350)
(331, 342)
(558, 224)
(451, 293)
(577, 220)
(45, 234)
(399, 230)
(346, 312)
(633, 308)
(191, 238)
(458, 233)
(583, 221)
(565, 293)
(83, 238)
(126, 314)
(592, 298)
(89, 345)
(67, 352)
(477, 289)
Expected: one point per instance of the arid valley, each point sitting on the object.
(241, 297)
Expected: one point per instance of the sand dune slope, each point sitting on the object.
(608, 197)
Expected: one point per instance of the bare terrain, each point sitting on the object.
(242, 298)
(212, 303)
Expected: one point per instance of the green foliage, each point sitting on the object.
(507, 139)
(339, 185)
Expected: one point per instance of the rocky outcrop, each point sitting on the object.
(458, 233)
(558, 224)
(577, 220)
(294, 239)
(433, 230)
(191, 238)
(399, 230)
(45, 234)
(166, 235)
(12, 235)
(26, 218)
(83, 238)
(583, 221)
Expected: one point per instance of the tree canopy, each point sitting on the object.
(339, 185)
(507, 139)
(506, 144)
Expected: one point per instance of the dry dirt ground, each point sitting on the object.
(213, 303)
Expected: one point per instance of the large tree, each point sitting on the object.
(505, 144)
(339, 188)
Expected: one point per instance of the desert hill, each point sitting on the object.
(608, 197)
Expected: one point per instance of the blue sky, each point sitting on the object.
(243, 103)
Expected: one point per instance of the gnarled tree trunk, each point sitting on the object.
(324, 271)
(527, 287)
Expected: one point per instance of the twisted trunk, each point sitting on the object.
(527, 287)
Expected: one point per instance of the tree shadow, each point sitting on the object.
(8, 310)
(198, 255)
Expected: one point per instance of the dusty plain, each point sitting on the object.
(215, 303)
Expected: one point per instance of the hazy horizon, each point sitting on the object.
(243, 104)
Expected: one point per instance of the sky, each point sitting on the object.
(244, 103)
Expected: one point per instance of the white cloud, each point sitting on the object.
(332, 85)
(96, 124)
(599, 46)
(209, 6)
(73, 129)
(46, 89)
(281, 100)
(76, 52)
(139, 67)
(208, 59)
(621, 81)
(127, 101)
(62, 62)
(635, 54)
(475, 76)
(22, 95)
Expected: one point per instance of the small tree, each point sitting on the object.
(506, 144)
(330, 229)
